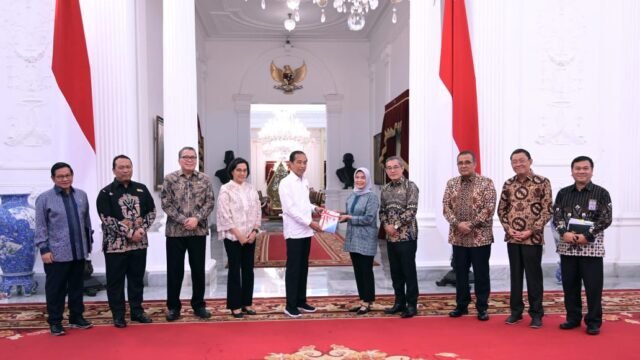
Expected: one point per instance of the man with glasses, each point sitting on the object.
(187, 198)
(398, 208)
(468, 206)
(524, 210)
(126, 210)
(63, 235)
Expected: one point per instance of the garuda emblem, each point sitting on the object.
(288, 79)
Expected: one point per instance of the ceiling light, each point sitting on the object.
(289, 23)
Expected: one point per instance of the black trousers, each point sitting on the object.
(240, 276)
(402, 263)
(464, 258)
(196, 247)
(526, 259)
(575, 271)
(64, 278)
(130, 265)
(363, 270)
(295, 277)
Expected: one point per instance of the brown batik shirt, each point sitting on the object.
(398, 207)
(184, 197)
(525, 205)
(471, 199)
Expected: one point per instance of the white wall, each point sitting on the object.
(559, 78)
(242, 68)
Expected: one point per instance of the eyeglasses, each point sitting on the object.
(62, 177)
(519, 162)
(188, 157)
(466, 162)
(390, 168)
(240, 170)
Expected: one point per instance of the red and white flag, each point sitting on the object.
(73, 108)
(458, 75)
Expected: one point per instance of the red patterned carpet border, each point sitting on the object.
(331, 246)
(25, 318)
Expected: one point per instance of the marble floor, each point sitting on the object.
(336, 280)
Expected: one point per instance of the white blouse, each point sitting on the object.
(239, 207)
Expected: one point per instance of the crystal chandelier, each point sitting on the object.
(357, 10)
(283, 134)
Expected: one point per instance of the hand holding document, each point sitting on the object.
(579, 226)
(329, 221)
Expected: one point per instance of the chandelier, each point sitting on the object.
(357, 10)
(283, 134)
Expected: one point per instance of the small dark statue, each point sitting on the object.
(345, 174)
(222, 174)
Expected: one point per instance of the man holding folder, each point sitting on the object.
(582, 212)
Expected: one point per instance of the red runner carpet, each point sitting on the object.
(326, 250)
(417, 338)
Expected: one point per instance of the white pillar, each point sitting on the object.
(430, 161)
(180, 83)
(180, 91)
(110, 28)
(334, 198)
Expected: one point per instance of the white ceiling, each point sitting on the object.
(245, 19)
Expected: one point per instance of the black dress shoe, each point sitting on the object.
(56, 329)
(410, 312)
(173, 314)
(458, 312)
(248, 311)
(593, 330)
(79, 323)
(396, 308)
(238, 314)
(119, 322)
(202, 313)
(568, 325)
(513, 318)
(483, 315)
(363, 309)
(355, 308)
(141, 318)
(536, 323)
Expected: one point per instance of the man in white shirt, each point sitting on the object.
(298, 229)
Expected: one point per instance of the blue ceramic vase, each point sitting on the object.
(17, 249)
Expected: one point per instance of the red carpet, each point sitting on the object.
(421, 337)
(326, 250)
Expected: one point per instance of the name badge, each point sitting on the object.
(593, 205)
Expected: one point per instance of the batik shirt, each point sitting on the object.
(238, 207)
(123, 210)
(525, 205)
(183, 197)
(592, 203)
(471, 199)
(398, 207)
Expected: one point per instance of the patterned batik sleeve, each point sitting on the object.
(546, 207)
(122, 228)
(169, 202)
(447, 204)
(559, 216)
(605, 215)
(410, 212)
(487, 204)
(503, 207)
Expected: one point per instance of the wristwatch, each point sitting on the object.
(257, 231)
(396, 226)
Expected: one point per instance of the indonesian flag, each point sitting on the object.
(73, 101)
(457, 74)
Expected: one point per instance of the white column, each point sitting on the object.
(429, 156)
(110, 29)
(180, 83)
(111, 26)
(334, 157)
(243, 123)
(180, 92)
